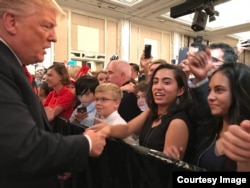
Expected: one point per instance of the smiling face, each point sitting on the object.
(165, 88)
(220, 96)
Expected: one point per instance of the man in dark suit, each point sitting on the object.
(31, 156)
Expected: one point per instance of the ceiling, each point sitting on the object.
(149, 13)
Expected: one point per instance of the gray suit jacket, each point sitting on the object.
(30, 155)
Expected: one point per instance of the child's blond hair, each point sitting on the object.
(112, 88)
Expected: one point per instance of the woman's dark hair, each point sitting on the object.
(238, 75)
(86, 84)
(183, 101)
(62, 71)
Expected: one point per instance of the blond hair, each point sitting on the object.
(73, 70)
(27, 7)
(157, 61)
(114, 89)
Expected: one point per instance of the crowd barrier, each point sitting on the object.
(123, 166)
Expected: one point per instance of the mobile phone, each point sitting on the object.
(147, 51)
(182, 54)
(198, 39)
(81, 109)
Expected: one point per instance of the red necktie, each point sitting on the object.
(30, 78)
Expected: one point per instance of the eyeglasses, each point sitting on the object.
(103, 99)
(215, 60)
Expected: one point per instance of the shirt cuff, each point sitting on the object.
(90, 142)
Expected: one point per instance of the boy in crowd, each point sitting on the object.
(108, 98)
(141, 90)
(85, 91)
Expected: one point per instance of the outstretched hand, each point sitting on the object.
(174, 152)
(97, 127)
(236, 142)
(98, 141)
(102, 127)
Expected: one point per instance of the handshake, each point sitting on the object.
(98, 141)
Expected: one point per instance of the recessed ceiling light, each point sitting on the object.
(129, 3)
(243, 35)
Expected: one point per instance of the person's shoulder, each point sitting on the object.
(128, 94)
(51, 93)
(66, 91)
(129, 98)
(181, 115)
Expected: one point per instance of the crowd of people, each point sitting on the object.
(197, 111)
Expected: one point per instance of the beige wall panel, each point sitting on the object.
(186, 41)
(99, 66)
(138, 36)
(148, 33)
(112, 38)
(241, 58)
(100, 25)
(74, 37)
(87, 21)
(79, 19)
(246, 57)
(96, 23)
(230, 41)
(61, 46)
(166, 47)
(135, 53)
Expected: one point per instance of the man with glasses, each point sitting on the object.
(202, 64)
(222, 53)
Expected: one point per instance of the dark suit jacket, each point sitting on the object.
(128, 108)
(200, 111)
(30, 155)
